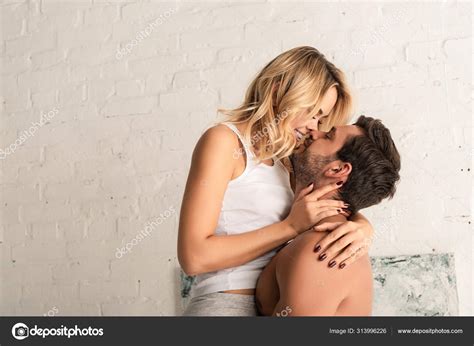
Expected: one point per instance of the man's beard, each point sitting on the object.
(308, 168)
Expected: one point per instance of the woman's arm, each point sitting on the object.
(213, 165)
(347, 241)
(358, 217)
(199, 250)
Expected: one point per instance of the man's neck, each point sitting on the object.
(334, 218)
(328, 195)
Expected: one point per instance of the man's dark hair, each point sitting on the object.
(375, 165)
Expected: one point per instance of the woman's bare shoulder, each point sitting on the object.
(215, 153)
(219, 134)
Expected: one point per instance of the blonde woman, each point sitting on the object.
(238, 206)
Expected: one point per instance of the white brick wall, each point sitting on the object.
(116, 154)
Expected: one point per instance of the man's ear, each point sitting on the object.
(338, 169)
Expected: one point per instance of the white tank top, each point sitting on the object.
(259, 197)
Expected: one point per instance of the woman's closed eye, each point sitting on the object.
(320, 123)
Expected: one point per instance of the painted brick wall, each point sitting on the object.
(102, 103)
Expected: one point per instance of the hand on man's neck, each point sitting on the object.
(334, 218)
(329, 195)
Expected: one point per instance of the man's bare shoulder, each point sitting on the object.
(300, 245)
(299, 257)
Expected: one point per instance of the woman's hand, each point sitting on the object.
(347, 241)
(308, 209)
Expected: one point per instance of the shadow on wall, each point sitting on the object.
(417, 285)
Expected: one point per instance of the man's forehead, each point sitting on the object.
(350, 130)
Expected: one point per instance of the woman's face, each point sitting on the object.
(302, 125)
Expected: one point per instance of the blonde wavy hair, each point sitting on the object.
(293, 82)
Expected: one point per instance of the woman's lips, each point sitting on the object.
(302, 140)
(299, 135)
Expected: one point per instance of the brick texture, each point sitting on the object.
(129, 88)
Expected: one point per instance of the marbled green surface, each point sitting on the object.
(417, 285)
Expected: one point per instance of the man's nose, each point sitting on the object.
(316, 134)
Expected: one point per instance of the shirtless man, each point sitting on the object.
(302, 280)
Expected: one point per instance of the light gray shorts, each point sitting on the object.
(222, 304)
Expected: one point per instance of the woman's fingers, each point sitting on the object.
(320, 210)
(329, 203)
(350, 255)
(304, 192)
(327, 213)
(342, 246)
(337, 233)
(318, 193)
(336, 247)
(327, 226)
(318, 207)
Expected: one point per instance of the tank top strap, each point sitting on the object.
(248, 152)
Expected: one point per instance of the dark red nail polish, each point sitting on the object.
(339, 210)
(332, 263)
(317, 248)
(322, 257)
(342, 265)
(339, 183)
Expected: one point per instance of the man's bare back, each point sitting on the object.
(296, 283)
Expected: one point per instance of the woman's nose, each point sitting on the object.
(312, 125)
(315, 134)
